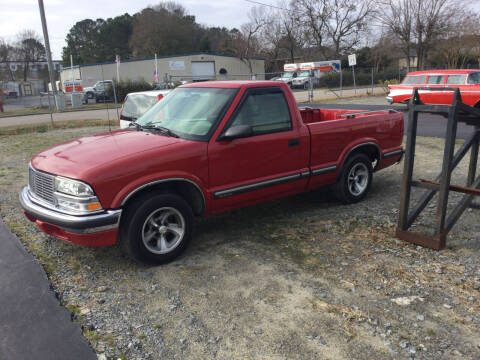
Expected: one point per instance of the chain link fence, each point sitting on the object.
(346, 83)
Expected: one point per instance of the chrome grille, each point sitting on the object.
(42, 185)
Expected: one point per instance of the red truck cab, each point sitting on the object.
(466, 80)
(206, 148)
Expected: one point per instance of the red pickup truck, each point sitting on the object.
(206, 148)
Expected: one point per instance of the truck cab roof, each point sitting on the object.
(235, 84)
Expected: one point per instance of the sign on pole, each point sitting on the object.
(352, 61)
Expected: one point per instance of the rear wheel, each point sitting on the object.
(355, 180)
(157, 228)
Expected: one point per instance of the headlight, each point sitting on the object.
(75, 196)
(72, 187)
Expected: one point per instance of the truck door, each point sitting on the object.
(266, 164)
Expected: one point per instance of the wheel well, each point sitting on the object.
(189, 192)
(370, 150)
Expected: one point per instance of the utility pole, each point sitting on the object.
(51, 70)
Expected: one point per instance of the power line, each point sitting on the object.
(273, 6)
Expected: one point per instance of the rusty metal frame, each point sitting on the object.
(457, 112)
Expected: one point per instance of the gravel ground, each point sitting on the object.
(299, 278)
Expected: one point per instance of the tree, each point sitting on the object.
(29, 49)
(90, 41)
(218, 39)
(246, 42)
(334, 27)
(461, 43)
(418, 23)
(82, 43)
(7, 54)
(165, 29)
(315, 15)
(347, 22)
(113, 35)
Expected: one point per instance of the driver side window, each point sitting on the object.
(266, 112)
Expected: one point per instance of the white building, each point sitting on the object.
(191, 67)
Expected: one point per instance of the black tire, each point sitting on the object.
(90, 95)
(350, 189)
(136, 228)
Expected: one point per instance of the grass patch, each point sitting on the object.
(37, 110)
(92, 335)
(344, 96)
(44, 127)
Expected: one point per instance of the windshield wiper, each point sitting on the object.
(161, 129)
(167, 131)
(137, 126)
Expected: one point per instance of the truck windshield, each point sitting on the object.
(288, 74)
(190, 113)
(304, 73)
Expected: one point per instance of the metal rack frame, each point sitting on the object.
(457, 112)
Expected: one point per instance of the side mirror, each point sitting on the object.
(236, 132)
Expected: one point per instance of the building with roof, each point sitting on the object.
(189, 67)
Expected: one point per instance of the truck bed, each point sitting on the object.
(335, 131)
(314, 115)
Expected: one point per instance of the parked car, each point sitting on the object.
(205, 149)
(137, 103)
(468, 81)
(97, 91)
(10, 94)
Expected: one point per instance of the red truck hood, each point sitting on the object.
(73, 158)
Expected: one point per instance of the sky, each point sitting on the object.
(61, 15)
(18, 15)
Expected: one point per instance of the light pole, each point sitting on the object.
(47, 50)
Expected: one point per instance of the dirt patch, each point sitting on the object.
(299, 278)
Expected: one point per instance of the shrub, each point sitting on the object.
(125, 87)
(385, 83)
(363, 77)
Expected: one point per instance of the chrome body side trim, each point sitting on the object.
(105, 220)
(255, 186)
(324, 170)
(393, 153)
(259, 185)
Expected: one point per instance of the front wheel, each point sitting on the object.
(157, 228)
(355, 180)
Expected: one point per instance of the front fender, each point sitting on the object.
(156, 178)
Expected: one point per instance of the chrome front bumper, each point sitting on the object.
(389, 99)
(80, 224)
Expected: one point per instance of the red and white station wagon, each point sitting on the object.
(468, 81)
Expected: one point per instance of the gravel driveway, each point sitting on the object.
(299, 278)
